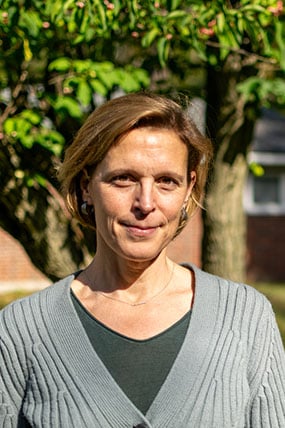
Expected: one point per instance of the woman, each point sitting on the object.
(135, 340)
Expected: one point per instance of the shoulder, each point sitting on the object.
(205, 279)
(19, 314)
(238, 309)
(229, 295)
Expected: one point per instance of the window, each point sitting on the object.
(265, 195)
(267, 190)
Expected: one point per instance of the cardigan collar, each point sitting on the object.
(93, 377)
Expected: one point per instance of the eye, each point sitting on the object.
(123, 180)
(167, 183)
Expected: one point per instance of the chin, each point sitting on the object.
(142, 253)
(136, 250)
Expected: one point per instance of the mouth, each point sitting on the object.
(140, 230)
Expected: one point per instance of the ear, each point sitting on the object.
(191, 184)
(85, 187)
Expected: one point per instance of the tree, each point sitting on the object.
(60, 59)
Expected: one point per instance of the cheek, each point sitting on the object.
(172, 205)
(108, 206)
(174, 216)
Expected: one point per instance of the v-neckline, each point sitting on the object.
(85, 364)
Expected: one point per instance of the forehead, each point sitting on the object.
(146, 151)
(149, 141)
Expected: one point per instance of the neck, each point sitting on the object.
(134, 281)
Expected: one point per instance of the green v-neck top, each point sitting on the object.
(139, 367)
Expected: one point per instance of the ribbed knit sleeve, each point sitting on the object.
(12, 377)
(36, 387)
(267, 374)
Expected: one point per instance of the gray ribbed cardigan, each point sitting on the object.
(230, 371)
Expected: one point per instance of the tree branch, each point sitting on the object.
(252, 56)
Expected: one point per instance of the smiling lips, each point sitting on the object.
(140, 230)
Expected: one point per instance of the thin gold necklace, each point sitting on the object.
(144, 302)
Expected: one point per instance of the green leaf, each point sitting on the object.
(52, 140)
(256, 169)
(176, 14)
(28, 55)
(89, 34)
(30, 182)
(221, 22)
(81, 66)
(68, 105)
(249, 87)
(98, 87)
(227, 41)
(200, 50)
(261, 90)
(71, 83)
(173, 4)
(68, 4)
(149, 37)
(54, 9)
(72, 25)
(127, 81)
(60, 64)
(40, 179)
(84, 93)
(109, 77)
(280, 35)
(253, 8)
(30, 22)
(101, 13)
(104, 66)
(79, 39)
(31, 116)
(141, 76)
(162, 49)
(9, 126)
(27, 141)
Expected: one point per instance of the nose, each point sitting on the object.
(144, 199)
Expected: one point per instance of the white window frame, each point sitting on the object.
(270, 160)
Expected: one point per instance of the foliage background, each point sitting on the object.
(61, 59)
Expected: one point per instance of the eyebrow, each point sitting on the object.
(122, 171)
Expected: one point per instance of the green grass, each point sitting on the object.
(274, 292)
(276, 295)
(8, 297)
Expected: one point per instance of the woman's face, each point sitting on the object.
(138, 191)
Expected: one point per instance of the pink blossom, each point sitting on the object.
(276, 10)
(212, 23)
(207, 31)
(5, 18)
(80, 4)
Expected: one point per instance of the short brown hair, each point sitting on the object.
(109, 122)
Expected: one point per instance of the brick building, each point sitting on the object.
(265, 201)
(16, 269)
